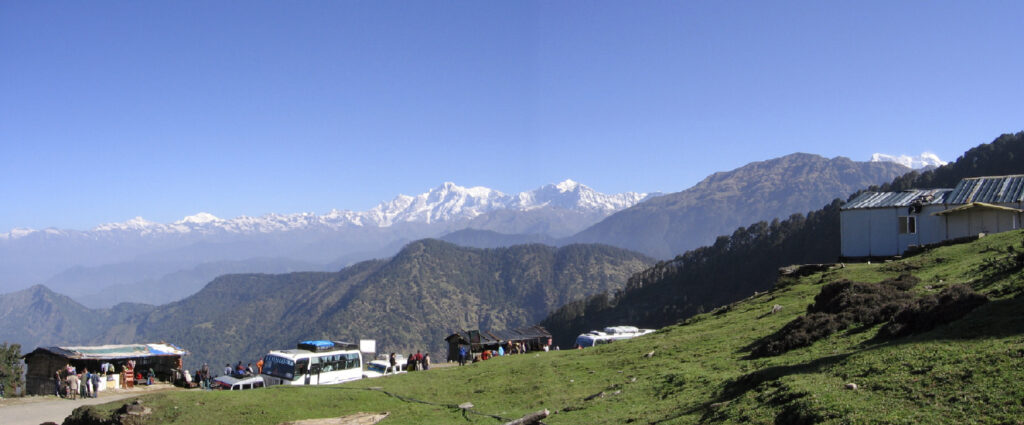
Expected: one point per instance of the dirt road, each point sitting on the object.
(38, 409)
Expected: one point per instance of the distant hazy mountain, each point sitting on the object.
(668, 225)
(38, 316)
(411, 301)
(106, 286)
(87, 263)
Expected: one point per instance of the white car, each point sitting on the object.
(378, 368)
(228, 382)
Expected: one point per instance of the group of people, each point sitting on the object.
(70, 384)
(202, 377)
(418, 361)
(509, 347)
(240, 371)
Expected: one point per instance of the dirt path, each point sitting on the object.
(38, 409)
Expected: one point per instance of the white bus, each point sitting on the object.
(610, 334)
(313, 363)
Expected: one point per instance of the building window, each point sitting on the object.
(908, 225)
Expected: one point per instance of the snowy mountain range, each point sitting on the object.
(925, 160)
(446, 203)
(135, 259)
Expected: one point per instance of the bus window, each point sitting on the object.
(302, 366)
(351, 361)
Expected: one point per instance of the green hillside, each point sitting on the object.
(406, 303)
(970, 370)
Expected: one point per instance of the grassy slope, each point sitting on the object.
(970, 371)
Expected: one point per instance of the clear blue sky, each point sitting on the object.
(111, 110)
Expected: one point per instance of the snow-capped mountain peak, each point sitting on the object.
(926, 159)
(568, 185)
(200, 218)
(137, 223)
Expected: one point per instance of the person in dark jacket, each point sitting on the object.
(95, 385)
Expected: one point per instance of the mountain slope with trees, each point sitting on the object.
(745, 262)
(665, 226)
(408, 302)
(411, 301)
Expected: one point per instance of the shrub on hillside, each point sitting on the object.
(930, 311)
(839, 305)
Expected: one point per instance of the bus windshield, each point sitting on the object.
(279, 367)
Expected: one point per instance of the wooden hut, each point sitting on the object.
(535, 338)
(43, 363)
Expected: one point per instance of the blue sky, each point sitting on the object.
(111, 110)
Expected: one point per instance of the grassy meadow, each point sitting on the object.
(702, 371)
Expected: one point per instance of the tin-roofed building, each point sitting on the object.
(43, 362)
(535, 338)
(884, 224)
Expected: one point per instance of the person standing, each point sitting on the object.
(57, 381)
(86, 383)
(462, 355)
(393, 362)
(259, 366)
(72, 386)
(227, 369)
(206, 375)
(95, 385)
(425, 361)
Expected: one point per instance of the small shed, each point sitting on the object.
(535, 338)
(43, 362)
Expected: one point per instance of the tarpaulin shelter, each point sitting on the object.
(535, 338)
(43, 362)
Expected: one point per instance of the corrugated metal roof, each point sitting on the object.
(897, 199)
(494, 337)
(116, 351)
(992, 190)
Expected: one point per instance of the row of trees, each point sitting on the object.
(736, 266)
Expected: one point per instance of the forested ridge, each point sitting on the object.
(408, 302)
(746, 261)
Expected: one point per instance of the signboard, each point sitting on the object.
(368, 346)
